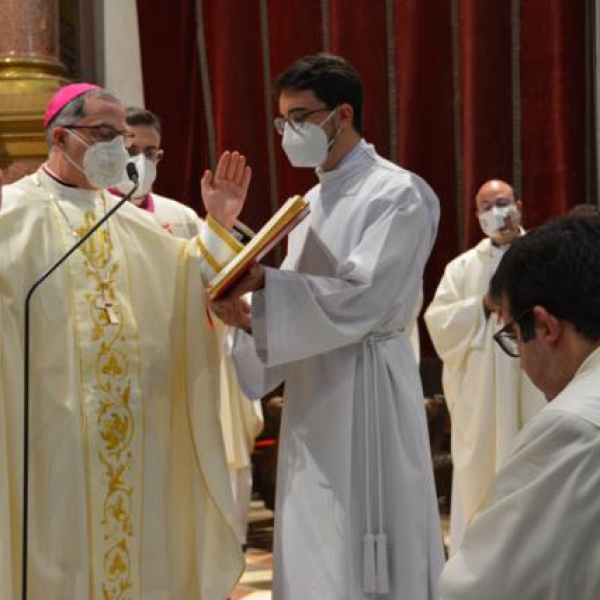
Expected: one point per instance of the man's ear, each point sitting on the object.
(548, 327)
(58, 137)
(346, 115)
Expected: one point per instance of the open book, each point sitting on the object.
(270, 234)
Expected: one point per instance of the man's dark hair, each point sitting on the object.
(584, 210)
(332, 79)
(556, 266)
(140, 116)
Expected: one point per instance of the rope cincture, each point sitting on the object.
(375, 550)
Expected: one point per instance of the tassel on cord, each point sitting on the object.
(376, 578)
(369, 568)
(383, 580)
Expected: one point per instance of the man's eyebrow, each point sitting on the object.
(300, 109)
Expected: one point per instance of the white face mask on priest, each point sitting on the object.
(103, 162)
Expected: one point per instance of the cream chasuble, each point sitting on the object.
(241, 419)
(129, 491)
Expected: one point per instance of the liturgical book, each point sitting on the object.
(271, 233)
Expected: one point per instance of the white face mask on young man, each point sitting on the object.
(306, 144)
(493, 220)
(103, 162)
(146, 170)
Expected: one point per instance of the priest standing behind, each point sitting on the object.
(129, 492)
(488, 397)
(356, 511)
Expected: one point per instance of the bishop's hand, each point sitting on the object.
(235, 312)
(225, 193)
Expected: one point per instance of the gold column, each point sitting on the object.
(30, 72)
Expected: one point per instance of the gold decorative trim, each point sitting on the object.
(215, 265)
(111, 410)
(223, 234)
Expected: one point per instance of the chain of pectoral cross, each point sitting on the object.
(105, 302)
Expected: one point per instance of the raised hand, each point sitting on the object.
(225, 193)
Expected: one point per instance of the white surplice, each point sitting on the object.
(129, 491)
(175, 217)
(335, 312)
(539, 536)
(488, 396)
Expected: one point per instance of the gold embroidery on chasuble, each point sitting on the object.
(110, 402)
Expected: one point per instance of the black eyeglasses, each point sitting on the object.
(150, 152)
(296, 121)
(506, 338)
(105, 133)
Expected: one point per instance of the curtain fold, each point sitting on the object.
(553, 106)
(485, 61)
(172, 89)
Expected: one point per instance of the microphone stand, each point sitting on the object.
(133, 176)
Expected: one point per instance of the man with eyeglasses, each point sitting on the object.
(488, 398)
(129, 488)
(241, 419)
(538, 534)
(356, 511)
(145, 153)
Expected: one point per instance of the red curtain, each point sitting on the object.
(173, 91)
(554, 102)
(457, 91)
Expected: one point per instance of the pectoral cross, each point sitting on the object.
(106, 304)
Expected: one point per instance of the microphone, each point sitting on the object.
(133, 175)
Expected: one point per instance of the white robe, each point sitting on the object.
(175, 217)
(344, 294)
(241, 419)
(489, 398)
(539, 536)
(129, 491)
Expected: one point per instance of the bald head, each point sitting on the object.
(491, 192)
(498, 212)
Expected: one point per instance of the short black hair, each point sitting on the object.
(332, 79)
(557, 266)
(140, 116)
(584, 210)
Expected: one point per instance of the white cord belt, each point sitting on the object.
(375, 554)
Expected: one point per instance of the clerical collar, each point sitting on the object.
(56, 178)
(346, 166)
(350, 155)
(146, 204)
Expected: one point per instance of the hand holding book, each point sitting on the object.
(274, 230)
(233, 310)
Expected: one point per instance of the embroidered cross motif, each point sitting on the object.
(107, 305)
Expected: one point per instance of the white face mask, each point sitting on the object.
(103, 162)
(494, 219)
(306, 144)
(146, 170)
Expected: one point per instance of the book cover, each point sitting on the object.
(291, 212)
